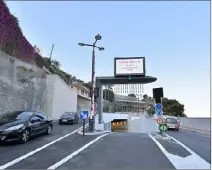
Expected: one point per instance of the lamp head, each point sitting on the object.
(101, 48)
(98, 37)
(81, 44)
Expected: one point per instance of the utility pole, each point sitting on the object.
(91, 117)
(50, 57)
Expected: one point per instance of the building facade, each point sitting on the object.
(125, 89)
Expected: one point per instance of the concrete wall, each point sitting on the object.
(202, 124)
(142, 125)
(196, 123)
(83, 104)
(60, 97)
(20, 90)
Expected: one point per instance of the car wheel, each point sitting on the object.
(177, 129)
(49, 130)
(25, 136)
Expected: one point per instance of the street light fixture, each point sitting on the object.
(98, 37)
(101, 48)
(81, 44)
(91, 117)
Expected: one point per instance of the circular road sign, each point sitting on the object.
(158, 106)
(160, 121)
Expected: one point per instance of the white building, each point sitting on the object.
(125, 89)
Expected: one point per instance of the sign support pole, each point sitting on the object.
(83, 127)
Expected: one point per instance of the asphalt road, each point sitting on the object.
(115, 150)
(200, 144)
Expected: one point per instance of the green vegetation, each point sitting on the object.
(171, 107)
(108, 95)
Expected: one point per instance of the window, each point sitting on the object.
(17, 115)
(171, 120)
(68, 114)
(41, 115)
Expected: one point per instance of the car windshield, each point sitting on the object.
(171, 120)
(19, 115)
(68, 114)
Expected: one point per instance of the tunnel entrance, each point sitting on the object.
(127, 70)
(119, 125)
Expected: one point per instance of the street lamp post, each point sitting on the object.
(91, 116)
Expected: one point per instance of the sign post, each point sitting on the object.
(83, 116)
(159, 114)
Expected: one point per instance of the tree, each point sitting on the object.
(173, 107)
(170, 106)
(88, 84)
(108, 95)
(145, 96)
(132, 95)
(151, 110)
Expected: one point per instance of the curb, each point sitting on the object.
(206, 133)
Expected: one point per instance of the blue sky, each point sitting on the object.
(173, 36)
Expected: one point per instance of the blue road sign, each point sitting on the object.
(158, 106)
(83, 114)
(159, 112)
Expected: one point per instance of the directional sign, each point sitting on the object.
(83, 114)
(160, 121)
(158, 106)
(159, 112)
(163, 127)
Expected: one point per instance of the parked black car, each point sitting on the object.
(69, 118)
(21, 125)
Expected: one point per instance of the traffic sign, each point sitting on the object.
(83, 114)
(159, 106)
(163, 127)
(159, 112)
(160, 121)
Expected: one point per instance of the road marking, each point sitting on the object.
(192, 161)
(180, 143)
(64, 160)
(37, 150)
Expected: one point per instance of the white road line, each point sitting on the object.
(64, 160)
(192, 161)
(180, 143)
(37, 150)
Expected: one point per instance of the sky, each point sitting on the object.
(173, 36)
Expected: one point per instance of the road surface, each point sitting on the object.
(67, 149)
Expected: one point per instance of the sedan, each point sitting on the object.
(172, 123)
(69, 118)
(21, 125)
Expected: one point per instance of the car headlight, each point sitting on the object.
(14, 127)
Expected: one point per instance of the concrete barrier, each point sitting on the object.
(198, 125)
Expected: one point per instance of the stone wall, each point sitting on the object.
(22, 86)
